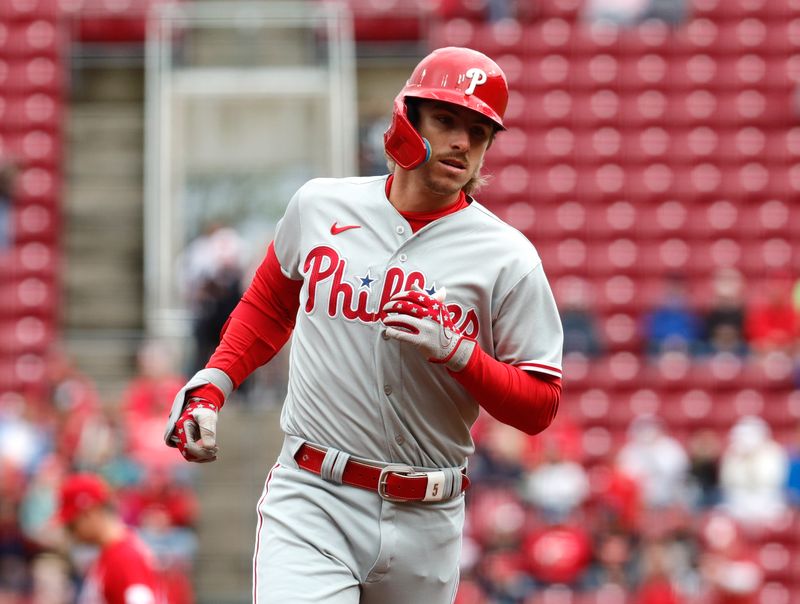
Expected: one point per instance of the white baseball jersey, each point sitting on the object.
(353, 389)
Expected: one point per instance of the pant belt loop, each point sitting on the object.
(333, 465)
(452, 482)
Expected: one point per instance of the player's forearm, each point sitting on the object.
(242, 350)
(509, 394)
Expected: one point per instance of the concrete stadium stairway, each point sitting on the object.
(102, 281)
(229, 490)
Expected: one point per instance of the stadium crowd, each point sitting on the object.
(705, 515)
(62, 427)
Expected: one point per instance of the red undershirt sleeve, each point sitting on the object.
(259, 326)
(520, 399)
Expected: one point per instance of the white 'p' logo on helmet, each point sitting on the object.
(478, 77)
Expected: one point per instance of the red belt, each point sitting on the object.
(392, 482)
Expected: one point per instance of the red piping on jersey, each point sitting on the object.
(258, 532)
(522, 400)
(417, 220)
(542, 367)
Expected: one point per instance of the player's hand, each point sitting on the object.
(196, 431)
(416, 317)
(192, 422)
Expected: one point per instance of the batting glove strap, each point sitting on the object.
(215, 377)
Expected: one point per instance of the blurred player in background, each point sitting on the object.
(411, 306)
(124, 571)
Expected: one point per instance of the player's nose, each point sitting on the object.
(460, 139)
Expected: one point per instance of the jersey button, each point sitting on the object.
(399, 439)
(403, 257)
(387, 389)
(400, 229)
(385, 335)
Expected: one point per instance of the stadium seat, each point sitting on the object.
(35, 222)
(639, 72)
(37, 37)
(32, 147)
(549, 36)
(594, 72)
(698, 35)
(38, 110)
(598, 145)
(650, 37)
(548, 109)
(28, 9)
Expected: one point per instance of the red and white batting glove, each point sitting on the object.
(195, 432)
(416, 317)
(192, 422)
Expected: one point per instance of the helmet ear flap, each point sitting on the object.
(402, 141)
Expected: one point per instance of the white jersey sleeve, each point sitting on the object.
(288, 240)
(527, 330)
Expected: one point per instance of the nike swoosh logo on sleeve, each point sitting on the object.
(336, 229)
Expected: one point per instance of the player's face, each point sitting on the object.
(83, 526)
(459, 138)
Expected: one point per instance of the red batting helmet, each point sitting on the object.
(460, 76)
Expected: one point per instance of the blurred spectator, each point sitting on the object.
(143, 405)
(38, 505)
(498, 457)
(672, 12)
(615, 12)
(174, 547)
(656, 461)
(501, 10)
(14, 547)
(82, 432)
(615, 560)
(470, 592)
(557, 486)
(504, 576)
(724, 320)
(124, 570)
(8, 174)
(793, 475)
(631, 12)
(577, 319)
(705, 450)
(496, 518)
(212, 268)
(753, 473)
(617, 501)
(24, 443)
(730, 572)
(558, 554)
(161, 490)
(771, 322)
(50, 580)
(372, 158)
(656, 585)
(673, 325)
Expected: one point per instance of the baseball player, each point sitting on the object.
(124, 572)
(410, 306)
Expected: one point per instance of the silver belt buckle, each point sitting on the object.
(384, 477)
